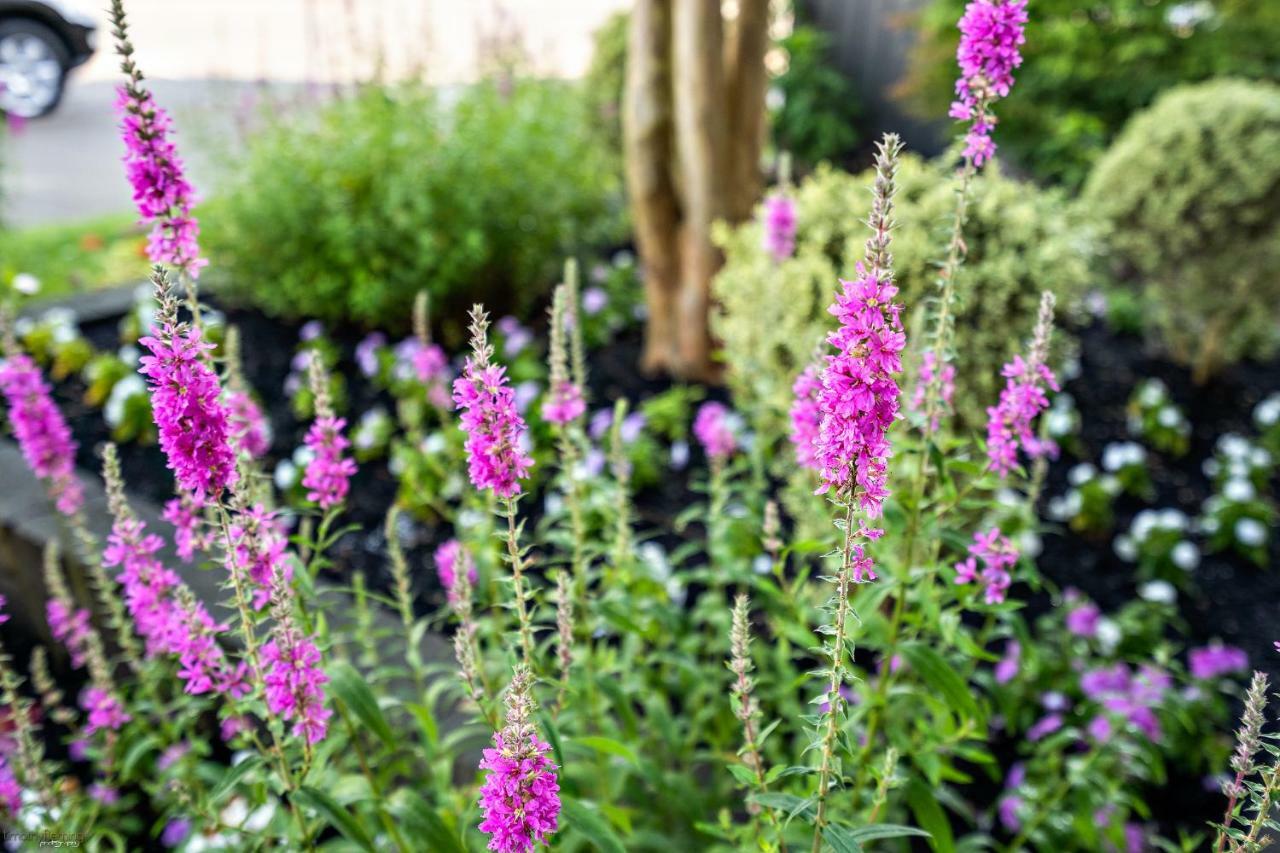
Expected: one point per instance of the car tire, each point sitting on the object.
(33, 68)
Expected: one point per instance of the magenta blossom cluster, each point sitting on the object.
(946, 383)
(69, 626)
(997, 555)
(1216, 660)
(859, 396)
(294, 683)
(806, 417)
(1083, 616)
(167, 625)
(564, 403)
(186, 402)
(161, 192)
(259, 551)
(103, 710)
(780, 226)
(1008, 665)
(1127, 697)
(1010, 423)
(427, 364)
(41, 431)
(991, 33)
(520, 796)
(249, 427)
(329, 472)
(494, 428)
(454, 561)
(189, 533)
(716, 429)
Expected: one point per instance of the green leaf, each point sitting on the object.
(608, 746)
(338, 817)
(886, 830)
(350, 687)
(930, 816)
(841, 839)
(743, 774)
(423, 825)
(233, 776)
(794, 806)
(590, 824)
(934, 670)
(136, 753)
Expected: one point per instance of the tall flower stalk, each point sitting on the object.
(1248, 742)
(328, 475)
(991, 33)
(520, 796)
(496, 459)
(1011, 422)
(858, 402)
(161, 192)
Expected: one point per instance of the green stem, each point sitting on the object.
(517, 577)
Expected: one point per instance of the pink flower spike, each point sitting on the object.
(495, 431)
(715, 428)
(41, 431)
(991, 33)
(779, 226)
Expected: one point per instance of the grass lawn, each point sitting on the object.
(76, 256)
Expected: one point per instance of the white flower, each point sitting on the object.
(1185, 555)
(1151, 394)
(434, 443)
(1066, 507)
(1259, 457)
(1169, 417)
(1267, 413)
(1121, 454)
(1234, 446)
(1143, 523)
(1081, 474)
(1238, 490)
(113, 411)
(302, 456)
(554, 503)
(762, 565)
(1110, 485)
(1250, 532)
(1108, 635)
(1171, 518)
(26, 284)
(1058, 422)
(1029, 544)
(1126, 549)
(285, 475)
(1161, 592)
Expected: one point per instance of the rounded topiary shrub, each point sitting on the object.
(345, 212)
(1021, 241)
(1191, 192)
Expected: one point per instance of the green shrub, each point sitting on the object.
(819, 114)
(1191, 190)
(1090, 64)
(345, 213)
(606, 77)
(1021, 241)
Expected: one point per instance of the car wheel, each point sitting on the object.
(33, 64)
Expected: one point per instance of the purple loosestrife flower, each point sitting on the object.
(1083, 618)
(186, 402)
(70, 627)
(946, 383)
(780, 226)
(41, 431)
(10, 790)
(716, 430)
(997, 555)
(249, 427)
(291, 670)
(991, 32)
(1010, 423)
(859, 396)
(328, 475)
(259, 551)
(161, 192)
(165, 613)
(454, 561)
(564, 403)
(1007, 667)
(105, 711)
(520, 796)
(494, 428)
(189, 533)
(806, 416)
(1216, 660)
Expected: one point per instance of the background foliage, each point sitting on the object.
(346, 213)
(1089, 64)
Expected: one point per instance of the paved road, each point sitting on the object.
(67, 165)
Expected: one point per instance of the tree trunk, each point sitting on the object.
(693, 124)
(745, 47)
(701, 137)
(647, 140)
